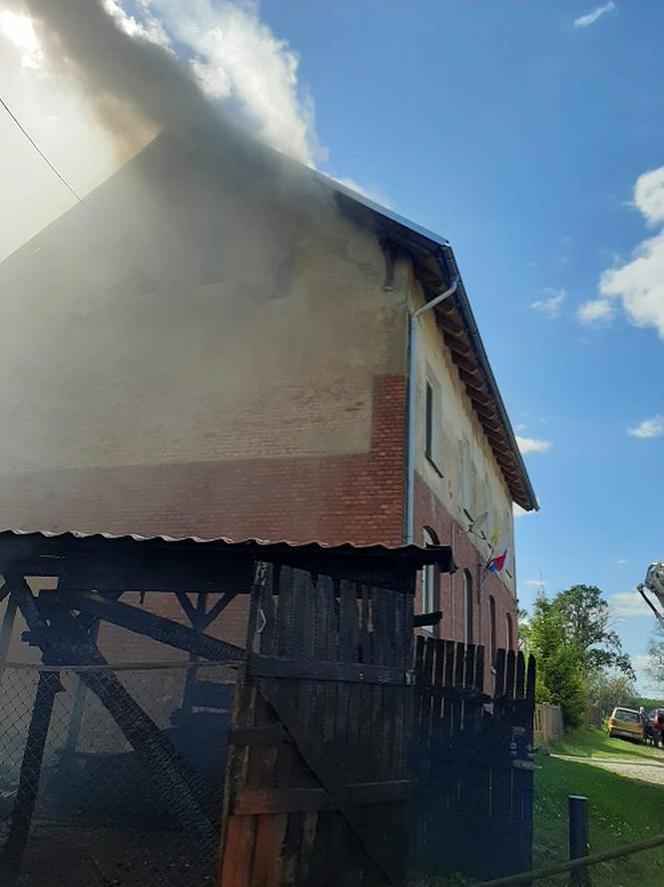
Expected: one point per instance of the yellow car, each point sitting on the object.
(626, 723)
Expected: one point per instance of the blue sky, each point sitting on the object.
(518, 130)
(520, 137)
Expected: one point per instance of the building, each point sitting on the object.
(218, 342)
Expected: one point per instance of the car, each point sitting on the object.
(626, 723)
(655, 726)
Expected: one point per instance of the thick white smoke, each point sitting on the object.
(60, 59)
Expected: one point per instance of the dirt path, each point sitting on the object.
(642, 770)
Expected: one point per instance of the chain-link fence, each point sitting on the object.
(129, 788)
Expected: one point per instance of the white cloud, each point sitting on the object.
(649, 195)
(551, 305)
(534, 583)
(653, 427)
(640, 284)
(628, 605)
(642, 661)
(622, 562)
(584, 21)
(595, 312)
(532, 445)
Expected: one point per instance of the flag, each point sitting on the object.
(498, 556)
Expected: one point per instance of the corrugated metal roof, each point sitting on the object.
(412, 552)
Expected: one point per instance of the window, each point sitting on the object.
(510, 631)
(468, 607)
(492, 628)
(430, 575)
(433, 423)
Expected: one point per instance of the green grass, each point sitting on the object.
(621, 811)
(596, 743)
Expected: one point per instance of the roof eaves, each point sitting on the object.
(424, 243)
(447, 256)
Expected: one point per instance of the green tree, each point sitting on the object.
(560, 661)
(655, 668)
(587, 621)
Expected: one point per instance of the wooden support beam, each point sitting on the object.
(30, 776)
(450, 323)
(7, 629)
(159, 628)
(422, 619)
(64, 642)
(473, 380)
(329, 777)
(458, 344)
(253, 801)
(339, 672)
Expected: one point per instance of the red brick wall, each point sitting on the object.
(429, 512)
(332, 499)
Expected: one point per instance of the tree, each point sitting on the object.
(577, 651)
(610, 688)
(559, 660)
(655, 668)
(587, 620)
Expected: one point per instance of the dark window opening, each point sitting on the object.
(468, 607)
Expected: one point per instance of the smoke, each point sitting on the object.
(133, 83)
(228, 65)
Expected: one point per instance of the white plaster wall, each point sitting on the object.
(458, 422)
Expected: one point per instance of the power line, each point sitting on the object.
(38, 149)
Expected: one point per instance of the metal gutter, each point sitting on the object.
(413, 342)
(451, 271)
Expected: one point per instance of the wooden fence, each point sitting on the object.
(319, 775)
(471, 809)
(548, 723)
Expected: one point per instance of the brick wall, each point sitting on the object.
(334, 499)
(430, 513)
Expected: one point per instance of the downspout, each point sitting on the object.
(413, 341)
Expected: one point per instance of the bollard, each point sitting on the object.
(578, 838)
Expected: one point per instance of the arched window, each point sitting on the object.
(492, 628)
(468, 607)
(430, 575)
(510, 631)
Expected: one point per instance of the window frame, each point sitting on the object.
(433, 422)
(430, 577)
(509, 632)
(493, 646)
(468, 608)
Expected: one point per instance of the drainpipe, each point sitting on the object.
(413, 341)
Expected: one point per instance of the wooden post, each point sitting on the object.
(7, 629)
(578, 838)
(28, 787)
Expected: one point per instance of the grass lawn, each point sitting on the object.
(597, 744)
(621, 811)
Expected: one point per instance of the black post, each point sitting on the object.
(28, 787)
(578, 838)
